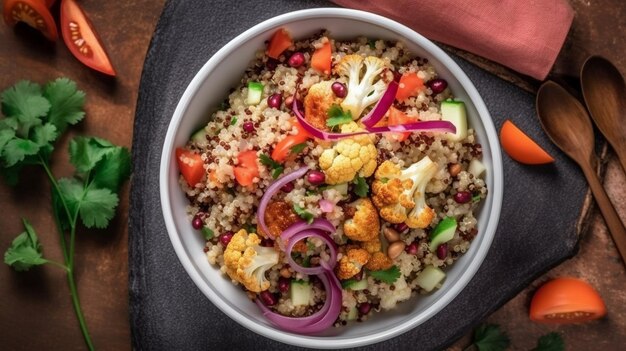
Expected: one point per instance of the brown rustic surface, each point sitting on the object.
(35, 307)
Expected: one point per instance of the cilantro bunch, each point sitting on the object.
(34, 118)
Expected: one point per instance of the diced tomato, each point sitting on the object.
(321, 59)
(279, 42)
(35, 13)
(410, 85)
(283, 148)
(395, 118)
(82, 39)
(190, 165)
(247, 168)
(566, 300)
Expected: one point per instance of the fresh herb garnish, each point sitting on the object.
(372, 44)
(296, 149)
(249, 227)
(277, 168)
(476, 198)
(307, 216)
(33, 119)
(346, 284)
(388, 276)
(489, 337)
(233, 121)
(310, 192)
(337, 116)
(360, 186)
(207, 233)
(306, 262)
(384, 180)
(550, 342)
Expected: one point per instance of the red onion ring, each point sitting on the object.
(385, 102)
(319, 223)
(332, 248)
(270, 191)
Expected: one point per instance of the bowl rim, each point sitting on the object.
(496, 190)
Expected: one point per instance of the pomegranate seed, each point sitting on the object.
(339, 89)
(296, 60)
(442, 251)
(316, 177)
(268, 298)
(271, 64)
(463, 197)
(411, 249)
(248, 126)
(437, 85)
(364, 308)
(274, 100)
(400, 227)
(288, 187)
(225, 238)
(197, 223)
(267, 242)
(283, 284)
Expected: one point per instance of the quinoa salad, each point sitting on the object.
(337, 180)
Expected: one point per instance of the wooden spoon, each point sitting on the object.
(567, 123)
(605, 95)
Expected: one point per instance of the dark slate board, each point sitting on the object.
(168, 312)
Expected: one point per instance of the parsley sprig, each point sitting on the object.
(337, 116)
(277, 168)
(34, 118)
(388, 276)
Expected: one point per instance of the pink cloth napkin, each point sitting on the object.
(523, 35)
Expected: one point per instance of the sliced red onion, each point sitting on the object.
(317, 322)
(330, 244)
(270, 191)
(326, 206)
(381, 107)
(421, 126)
(319, 224)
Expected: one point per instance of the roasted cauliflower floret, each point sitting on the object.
(317, 102)
(246, 261)
(365, 225)
(349, 157)
(379, 261)
(409, 205)
(364, 88)
(351, 263)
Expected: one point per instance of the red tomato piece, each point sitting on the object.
(321, 59)
(566, 300)
(396, 118)
(410, 85)
(279, 42)
(32, 12)
(82, 39)
(521, 147)
(247, 168)
(283, 148)
(190, 165)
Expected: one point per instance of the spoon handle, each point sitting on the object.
(613, 222)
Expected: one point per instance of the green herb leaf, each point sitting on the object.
(337, 116)
(25, 102)
(66, 103)
(550, 342)
(307, 216)
(86, 152)
(249, 227)
(296, 149)
(360, 186)
(98, 207)
(17, 149)
(267, 161)
(306, 262)
(5, 135)
(310, 192)
(476, 198)
(233, 121)
(372, 44)
(384, 180)
(346, 284)
(489, 337)
(207, 233)
(388, 276)
(44, 134)
(109, 164)
(277, 172)
(25, 250)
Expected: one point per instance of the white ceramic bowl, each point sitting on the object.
(209, 87)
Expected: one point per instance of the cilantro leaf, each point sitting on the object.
(86, 152)
(233, 121)
(98, 207)
(489, 337)
(337, 116)
(346, 284)
(267, 161)
(17, 149)
(306, 215)
(25, 250)
(72, 192)
(5, 136)
(296, 149)
(113, 169)
(360, 186)
(550, 342)
(388, 276)
(277, 172)
(44, 134)
(25, 102)
(66, 103)
(207, 233)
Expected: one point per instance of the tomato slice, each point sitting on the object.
(247, 168)
(281, 40)
(82, 39)
(566, 300)
(397, 117)
(521, 147)
(190, 165)
(32, 12)
(283, 148)
(410, 84)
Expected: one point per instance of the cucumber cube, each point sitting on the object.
(443, 232)
(430, 277)
(300, 292)
(454, 112)
(255, 93)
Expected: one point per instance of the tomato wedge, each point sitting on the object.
(280, 41)
(566, 300)
(82, 39)
(521, 147)
(396, 118)
(247, 168)
(283, 148)
(190, 165)
(321, 60)
(410, 85)
(32, 12)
